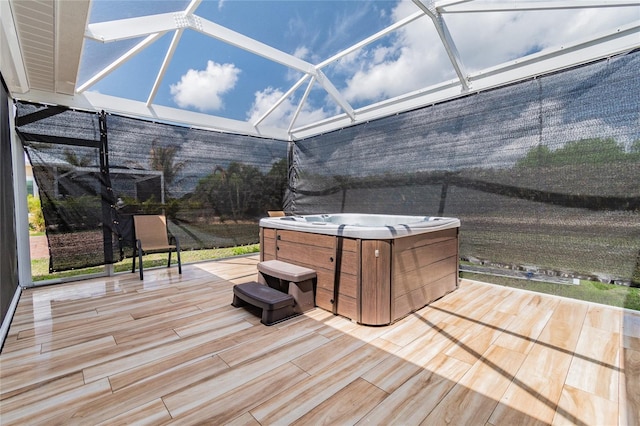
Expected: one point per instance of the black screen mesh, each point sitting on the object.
(544, 174)
(211, 186)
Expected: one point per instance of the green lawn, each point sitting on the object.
(40, 267)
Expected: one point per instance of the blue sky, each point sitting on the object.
(210, 76)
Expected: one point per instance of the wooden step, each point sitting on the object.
(286, 271)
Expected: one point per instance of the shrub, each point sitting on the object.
(36, 218)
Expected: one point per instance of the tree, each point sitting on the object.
(242, 191)
(163, 159)
(77, 160)
(275, 185)
(582, 152)
(36, 218)
(211, 189)
(635, 149)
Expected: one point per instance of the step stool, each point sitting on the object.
(283, 290)
(275, 304)
(295, 280)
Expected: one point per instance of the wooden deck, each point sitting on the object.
(173, 349)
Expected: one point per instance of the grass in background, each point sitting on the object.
(590, 291)
(40, 267)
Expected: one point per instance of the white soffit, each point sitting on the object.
(43, 41)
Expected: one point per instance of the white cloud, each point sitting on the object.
(415, 57)
(203, 89)
(282, 116)
(507, 36)
(302, 52)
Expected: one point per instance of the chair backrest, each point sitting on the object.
(275, 213)
(151, 230)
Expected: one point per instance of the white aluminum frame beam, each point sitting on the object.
(253, 46)
(614, 42)
(93, 101)
(121, 60)
(327, 85)
(335, 94)
(281, 100)
(447, 41)
(23, 248)
(386, 31)
(523, 5)
(618, 41)
(170, 52)
(14, 57)
(165, 64)
(139, 27)
(124, 29)
(301, 104)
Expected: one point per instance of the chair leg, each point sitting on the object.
(169, 260)
(133, 260)
(140, 258)
(178, 253)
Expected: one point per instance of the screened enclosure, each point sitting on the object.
(544, 174)
(214, 112)
(94, 171)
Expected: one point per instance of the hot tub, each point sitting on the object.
(374, 269)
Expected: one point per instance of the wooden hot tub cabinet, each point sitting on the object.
(374, 282)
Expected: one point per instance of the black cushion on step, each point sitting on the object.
(262, 296)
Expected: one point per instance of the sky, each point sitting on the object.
(209, 76)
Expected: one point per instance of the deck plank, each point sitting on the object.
(477, 393)
(346, 406)
(205, 392)
(595, 365)
(147, 390)
(44, 409)
(535, 389)
(287, 407)
(584, 408)
(172, 349)
(411, 402)
(241, 399)
(630, 388)
(150, 414)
